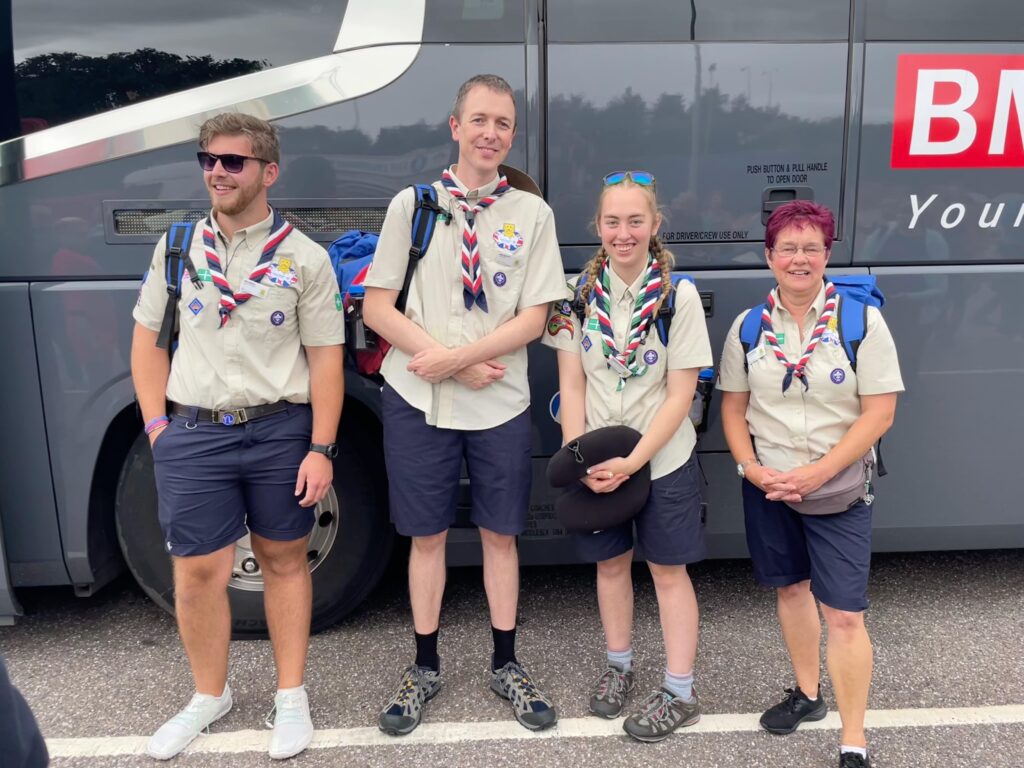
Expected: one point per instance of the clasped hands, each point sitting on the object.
(608, 475)
(793, 485)
(440, 363)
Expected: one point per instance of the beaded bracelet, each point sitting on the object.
(155, 424)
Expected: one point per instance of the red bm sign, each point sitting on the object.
(959, 111)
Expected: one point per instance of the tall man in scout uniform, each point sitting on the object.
(242, 422)
(456, 386)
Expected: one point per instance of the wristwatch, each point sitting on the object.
(330, 450)
(741, 468)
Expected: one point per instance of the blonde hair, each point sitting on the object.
(261, 134)
(664, 258)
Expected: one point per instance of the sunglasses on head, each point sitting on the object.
(230, 163)
(643, 178)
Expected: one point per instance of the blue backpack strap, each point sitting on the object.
(750, 330)
(668, 309)
(176, 260)
(852, 325)
(424, 220)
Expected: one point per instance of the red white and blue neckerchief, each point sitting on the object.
(472, 280)
(229, 299)
(627, 363)
(797, 369)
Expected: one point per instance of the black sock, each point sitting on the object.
(504, 647)
(426, 651)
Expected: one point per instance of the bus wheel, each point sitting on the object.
(348, 549)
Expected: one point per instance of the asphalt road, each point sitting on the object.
(104, 672)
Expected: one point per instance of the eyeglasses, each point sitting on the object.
(230, 163)
(643, 178)
(810, 251)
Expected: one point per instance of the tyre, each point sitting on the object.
(349, 547)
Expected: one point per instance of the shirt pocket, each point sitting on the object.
(504, 273)
(276, 313)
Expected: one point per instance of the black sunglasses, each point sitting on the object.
(230, 163)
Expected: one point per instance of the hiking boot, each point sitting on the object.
(532, 708)
(661, 714)
(853, 760)
(404, 710)
(178, 732)
(293, 729)
(609, 694)
(785, 716)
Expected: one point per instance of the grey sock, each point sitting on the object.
(679, 685)
(623, 658)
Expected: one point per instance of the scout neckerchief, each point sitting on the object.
(625, 363)
(797, 369)
(230, 300)
(472, 280)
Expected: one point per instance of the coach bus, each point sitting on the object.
(904, 116)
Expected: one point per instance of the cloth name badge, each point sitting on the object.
(755, 354)
(256, 289)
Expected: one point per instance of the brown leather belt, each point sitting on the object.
(229, 416)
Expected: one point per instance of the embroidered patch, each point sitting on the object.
(508, 239)
(838, 375)
(587, 344)
(500, 279)
(559, 323)
(830, 337)
(593, 324)
(339, 303)
(553, 406)
(196, 306)
(565, 307)
(283, 274)
(277, 318)
(650, 357)
(205, 276)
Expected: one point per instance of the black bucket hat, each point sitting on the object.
(580, 509)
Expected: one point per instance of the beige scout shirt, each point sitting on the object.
(256, 358)
(526, 272)
(642, 396)
(799, 427)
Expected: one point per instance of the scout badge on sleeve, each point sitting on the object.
(579, 508)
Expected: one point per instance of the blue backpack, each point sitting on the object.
(176, 261)
(351, 256)
(857, 293)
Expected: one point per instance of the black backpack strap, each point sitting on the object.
(176, 261)
(424, 220)
(579, 307)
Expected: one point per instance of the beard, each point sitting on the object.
(237, 202)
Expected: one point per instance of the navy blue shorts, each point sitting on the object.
(213, 480)
(669, 530)
(425, 464)
(833, 551)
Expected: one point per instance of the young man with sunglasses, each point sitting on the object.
(456, 387)
(242, 422)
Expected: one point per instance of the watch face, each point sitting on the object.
(332, 451)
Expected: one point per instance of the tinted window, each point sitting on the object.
(74, 59)
(668, 20)
(474, 21)
(944, 20)
(715, 123)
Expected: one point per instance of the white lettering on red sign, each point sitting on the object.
(958, 111)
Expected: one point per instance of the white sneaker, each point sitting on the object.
(293, 729)
(178, 732)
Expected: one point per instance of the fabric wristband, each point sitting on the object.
(155, 424)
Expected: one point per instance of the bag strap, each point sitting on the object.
(578, 305)
(852, 325)
(667, 310)
(424, 219)
(750, 331)
(178, 243)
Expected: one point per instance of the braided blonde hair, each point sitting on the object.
(664, 258)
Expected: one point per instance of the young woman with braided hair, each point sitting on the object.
(614, 369)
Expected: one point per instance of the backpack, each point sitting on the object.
(351, 256)
(857, 293)
(177, 261)
(663, 322)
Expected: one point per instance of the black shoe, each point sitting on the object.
(785, 716)
(853, 760)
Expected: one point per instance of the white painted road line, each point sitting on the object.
(572, 728)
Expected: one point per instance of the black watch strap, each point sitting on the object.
(330, 450)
